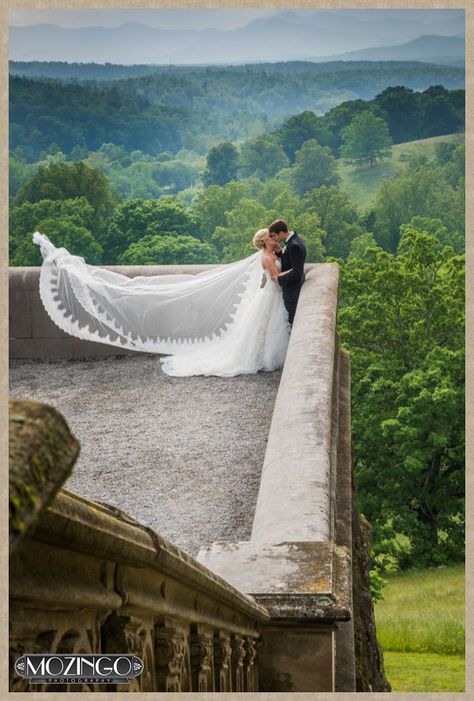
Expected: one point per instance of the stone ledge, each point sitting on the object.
(292, 580)
(27, 277)
(303, 608)
(294, 501)
(298, 559)
(83, 526)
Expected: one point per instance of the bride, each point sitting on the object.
(227, 321)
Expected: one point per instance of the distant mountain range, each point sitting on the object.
(430, 49)
(288, 35)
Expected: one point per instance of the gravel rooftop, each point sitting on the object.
(181, 455)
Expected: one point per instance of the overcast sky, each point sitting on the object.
(189, 18)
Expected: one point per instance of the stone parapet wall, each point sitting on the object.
(296, 497)
(33, 335)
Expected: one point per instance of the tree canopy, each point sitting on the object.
(134, 219)
(222, 164)
(401, 316)
(314, 166)
(164, 249)
(60, 181)
(366, 138)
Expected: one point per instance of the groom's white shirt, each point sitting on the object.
(292, 233)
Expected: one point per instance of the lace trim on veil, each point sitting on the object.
(94, 304)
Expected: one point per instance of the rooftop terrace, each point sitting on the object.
(181, 455)
(251, 475)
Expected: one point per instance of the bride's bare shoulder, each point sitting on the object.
(268, 260)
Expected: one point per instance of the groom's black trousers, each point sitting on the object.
(292, 259)
(291, 309)
(290, 300)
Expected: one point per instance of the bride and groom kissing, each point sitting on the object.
(292, 258)
(259, 333)
(224, 321)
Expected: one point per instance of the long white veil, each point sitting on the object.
(157, 314)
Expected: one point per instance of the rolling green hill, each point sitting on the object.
(420, 625)
(362, 182)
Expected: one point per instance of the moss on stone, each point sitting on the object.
(42, 454)
(22, 500)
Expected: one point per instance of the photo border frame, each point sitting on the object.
(468, 6)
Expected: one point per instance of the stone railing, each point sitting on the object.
(298, 561)
(86, 578)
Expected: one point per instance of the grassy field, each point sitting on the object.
(362, 182)
(420, 625)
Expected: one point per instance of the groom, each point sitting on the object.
(292, 258)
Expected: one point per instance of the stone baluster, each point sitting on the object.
(237, 662)
(64, 637)
(201, 658)
(250, 666)
(139, 642)
(222, 660)
(171, 659)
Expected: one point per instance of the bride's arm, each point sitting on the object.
(278, 274)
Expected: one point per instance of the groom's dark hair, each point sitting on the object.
(277, 226)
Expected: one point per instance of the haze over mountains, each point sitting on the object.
(423, 35)
(431, 49)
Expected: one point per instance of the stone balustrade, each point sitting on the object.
(86, 578)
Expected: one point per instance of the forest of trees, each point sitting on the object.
(99, 177)
(169, 109)
(402, 318)
(303, 79)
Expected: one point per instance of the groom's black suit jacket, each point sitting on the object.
(293, 257)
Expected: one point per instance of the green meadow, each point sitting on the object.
(420, 625)
(361, 183)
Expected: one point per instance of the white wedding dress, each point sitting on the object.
(218, 322)
(258, 339)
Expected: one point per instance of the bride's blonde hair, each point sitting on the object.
(260, 237)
